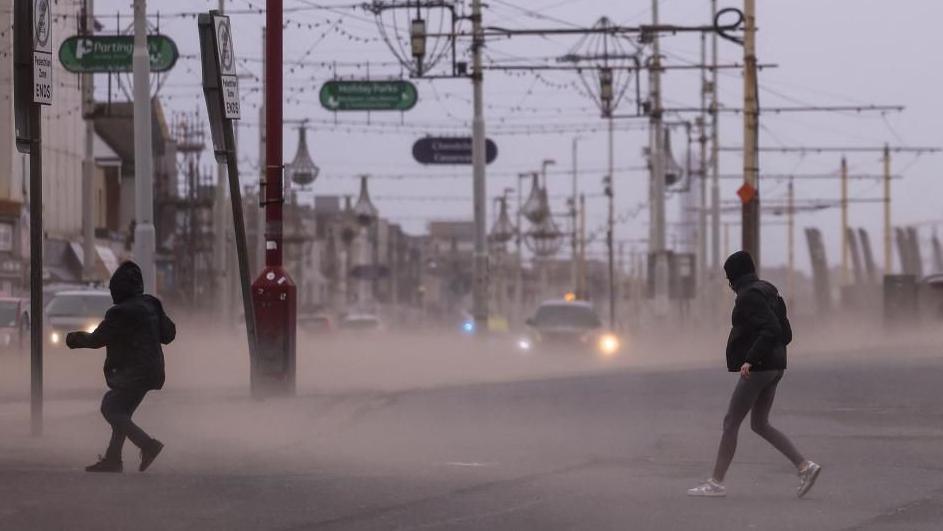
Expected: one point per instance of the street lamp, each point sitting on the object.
(606, 93)
(417, 41)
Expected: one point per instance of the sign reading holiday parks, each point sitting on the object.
(368, 95)
(114, 53)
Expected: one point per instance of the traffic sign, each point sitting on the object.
(368, 95)
(42, 52)
(450, 150)
(747, 193)
(229, 83)
(114, 53)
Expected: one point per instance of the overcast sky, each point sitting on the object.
(834, 52)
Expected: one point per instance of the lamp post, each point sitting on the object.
(502, 232)
(365, 214)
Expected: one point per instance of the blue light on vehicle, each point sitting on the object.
(468, 327)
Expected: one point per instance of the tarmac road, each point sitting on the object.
(588, 448)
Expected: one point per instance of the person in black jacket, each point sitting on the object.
(132, 333)
(756, 348)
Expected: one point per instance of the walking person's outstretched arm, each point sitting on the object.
(168, 330)
(101, 337)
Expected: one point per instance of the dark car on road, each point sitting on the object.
(568, 326)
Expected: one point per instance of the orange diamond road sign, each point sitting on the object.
(747, 193)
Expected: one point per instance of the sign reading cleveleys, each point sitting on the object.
(42, 52)
(450, 150)
(229, 83)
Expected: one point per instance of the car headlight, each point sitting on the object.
(608, 344)
(54, 338)
(468, 327)
(524, 344)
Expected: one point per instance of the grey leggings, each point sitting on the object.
(754, 393)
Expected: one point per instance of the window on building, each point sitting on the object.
(6, 237)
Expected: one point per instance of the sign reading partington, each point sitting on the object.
(114, 53)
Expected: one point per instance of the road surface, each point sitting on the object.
(447, 443)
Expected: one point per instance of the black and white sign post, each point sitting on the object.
(221, 89)
(32, 88)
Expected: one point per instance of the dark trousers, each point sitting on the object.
(755, 393)
(117, 407)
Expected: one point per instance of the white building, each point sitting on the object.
(63, 136)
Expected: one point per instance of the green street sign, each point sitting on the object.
(368, 95)
(114, 53)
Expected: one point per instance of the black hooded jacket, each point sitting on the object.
(756, 335)
(132, 333)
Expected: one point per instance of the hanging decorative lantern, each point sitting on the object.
(605, 62)
(404, 25)
(302, 170)
(536, 209)
(545, 239)
(365, 213)
(673, 171)
(503, 229)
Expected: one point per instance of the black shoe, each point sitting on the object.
(149, 454)
(105, 464)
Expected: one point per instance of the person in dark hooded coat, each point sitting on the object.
(132, 333)
(756, 348)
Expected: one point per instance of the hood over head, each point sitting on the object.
(739, 265)
(126, 282)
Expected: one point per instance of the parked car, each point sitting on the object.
(568, 326)
(317, 323)
(361, 322)
(75, 310)
(14, 322)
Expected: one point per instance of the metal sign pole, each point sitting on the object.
(33, 87)
(221, 89)
(36, 271)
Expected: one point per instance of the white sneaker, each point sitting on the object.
(807, 477)
(709, 489)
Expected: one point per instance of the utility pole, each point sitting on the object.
(88, 163)
(844, 222)
(274, 293)
(574, 260)
(657, 203)
(518, 242)
(888, 253)
(702, 172)
(715, 154)
(791, 236)
(144, 237)
(751, 182)
(480, 295)
(219, 235)
(610, 222)
(581, 278)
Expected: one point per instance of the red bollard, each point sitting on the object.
(274, 298)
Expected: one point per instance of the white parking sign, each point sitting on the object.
(229, 83)
(42, 52)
